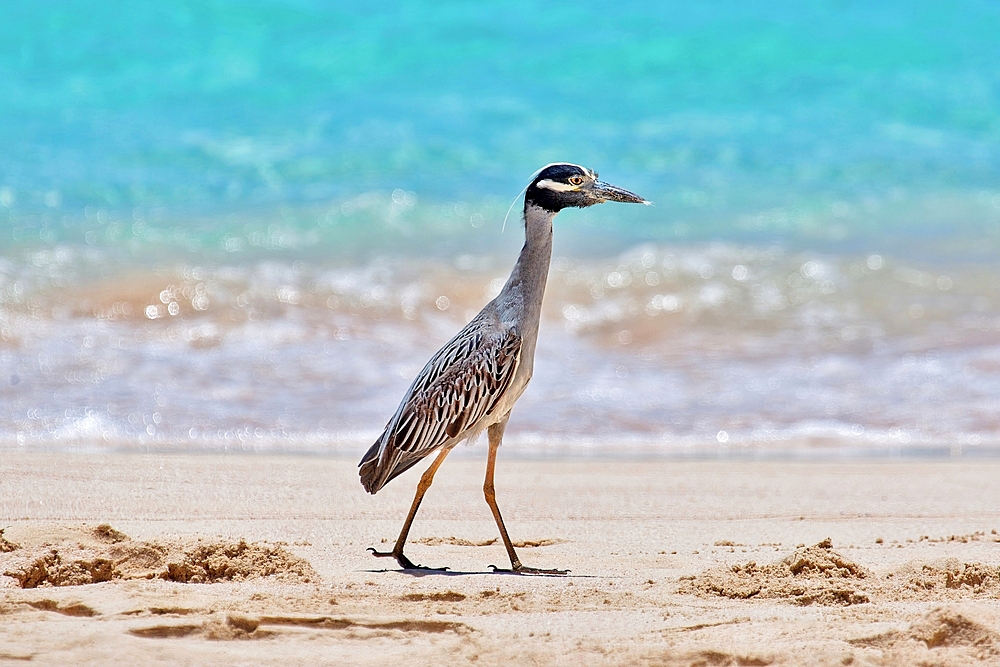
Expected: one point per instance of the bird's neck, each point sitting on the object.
(527, 280)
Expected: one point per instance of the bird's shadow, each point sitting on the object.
(425, 572)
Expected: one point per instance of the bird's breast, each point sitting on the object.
(517, 386)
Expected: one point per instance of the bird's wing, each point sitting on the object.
(459, 386)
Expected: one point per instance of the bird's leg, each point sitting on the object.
(422, 486)
(496, 435)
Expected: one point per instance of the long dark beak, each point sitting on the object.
(608, 192)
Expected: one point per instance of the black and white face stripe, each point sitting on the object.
(561, 185)
(565, 186)
(549, 184)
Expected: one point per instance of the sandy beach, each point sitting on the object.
(253, 559)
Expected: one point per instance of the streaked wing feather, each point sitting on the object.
(457, 388)
(457, 393)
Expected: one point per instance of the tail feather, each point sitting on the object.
(375, 474)
(369, 469)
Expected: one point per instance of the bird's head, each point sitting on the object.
(563, 185)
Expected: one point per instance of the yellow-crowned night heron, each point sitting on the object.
(472, 383)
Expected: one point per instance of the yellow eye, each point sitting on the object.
(575, 180)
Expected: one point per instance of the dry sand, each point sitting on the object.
(252, 559)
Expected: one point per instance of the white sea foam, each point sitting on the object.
(662, 349)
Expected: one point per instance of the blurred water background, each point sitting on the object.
(246, 225)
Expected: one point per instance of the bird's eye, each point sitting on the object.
(576, 180)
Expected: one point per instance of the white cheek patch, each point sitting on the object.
(549, 184)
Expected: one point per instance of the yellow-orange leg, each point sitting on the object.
(496, 436)
(422, 486)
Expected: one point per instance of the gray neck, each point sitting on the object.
(526, 286)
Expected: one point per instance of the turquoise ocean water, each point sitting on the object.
(247, 224)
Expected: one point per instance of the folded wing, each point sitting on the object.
(449, 400)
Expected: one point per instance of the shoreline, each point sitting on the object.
(822, 452)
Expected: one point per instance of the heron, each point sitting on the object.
(471, 384)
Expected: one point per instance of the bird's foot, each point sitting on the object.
(403, 561)
(517, 568)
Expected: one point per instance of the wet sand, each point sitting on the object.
(253, 559)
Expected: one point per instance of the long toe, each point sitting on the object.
(407, 564)
(424, 568)
(403, 561)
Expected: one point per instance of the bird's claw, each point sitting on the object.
(403, 561)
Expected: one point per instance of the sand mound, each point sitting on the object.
(544, 542)
(944, 636)
(52, 569)
(73, 556)
(818, 574)
(454, 541)
(221, 561)
(106, 533)
(6, 546)
(945, 579)
(949, 628)
(815, 574)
